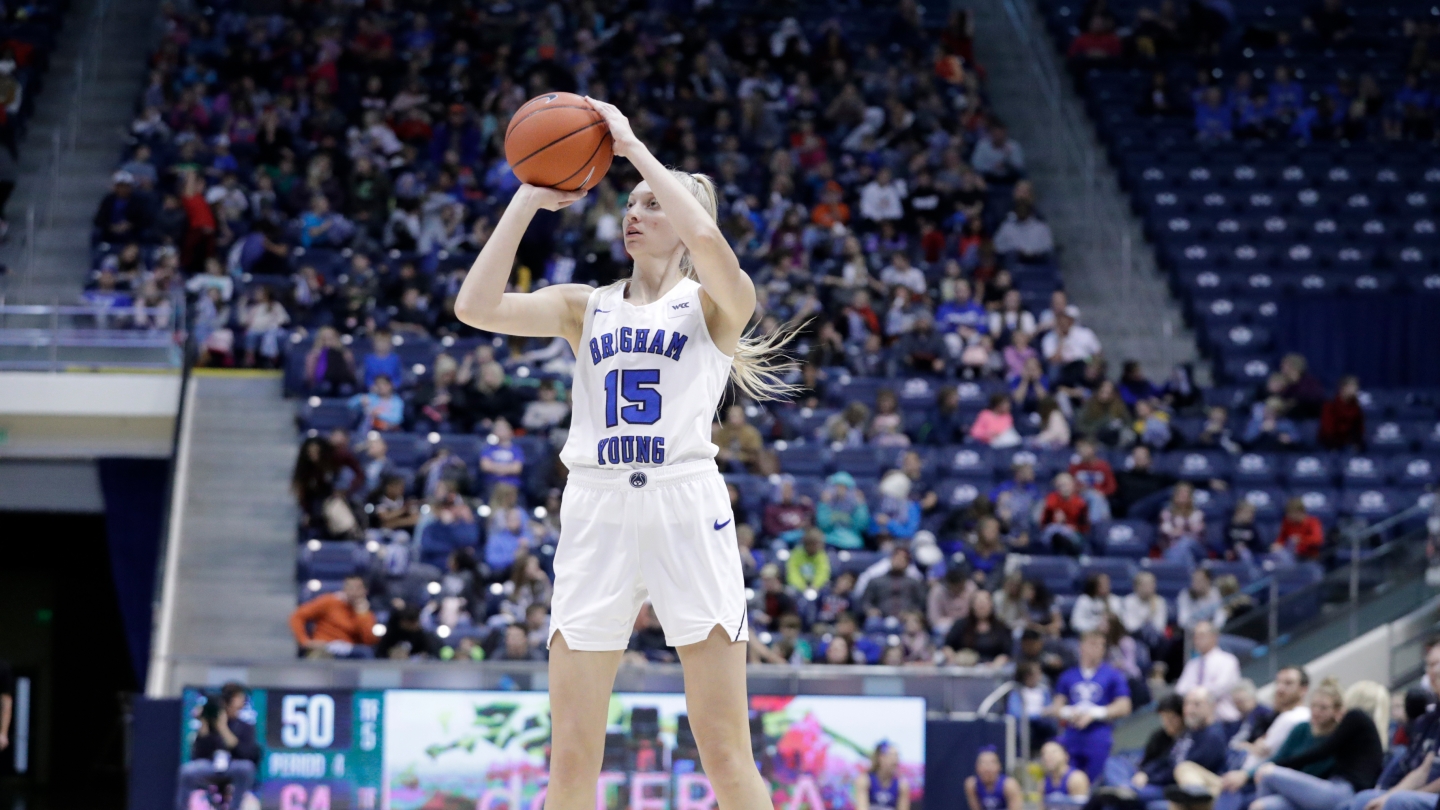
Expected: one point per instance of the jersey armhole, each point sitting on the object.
(705, 325)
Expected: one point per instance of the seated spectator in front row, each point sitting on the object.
(980, 638)
(338, 625)
(1201, 741)
(1342, 420)
(1290, 711)
(1413, 782)
(809, 565)
(225, 748)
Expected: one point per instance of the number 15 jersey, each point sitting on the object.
(647, 382)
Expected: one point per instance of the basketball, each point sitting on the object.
(560, 141)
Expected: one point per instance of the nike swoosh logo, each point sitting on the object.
(719, 525)
(598, 311)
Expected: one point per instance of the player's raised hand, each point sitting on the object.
(625, 140)
(550, 199)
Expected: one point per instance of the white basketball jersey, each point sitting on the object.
(647, 382)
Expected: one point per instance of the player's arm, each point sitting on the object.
(902, 802)
(1078, 784)
(555, 311)
(1119, 707)
(1014, 796)
(971, 797)
(862, 785)
(729, 290)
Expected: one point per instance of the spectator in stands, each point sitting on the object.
(548, 412)
(1064, 518)
(1242, 538)
(338, 625)
(1269, 429)
(1067, 349)
(264, 321)
(1408, 784)
(1182, 527)
(225, 748)
(842, 513)
(1132, 385)
(772, 600)
(739, 442)
(1017, 500)
(1342, 420)
(526, 586)
(1301, 535)
(1155, 759)
(1212, 670)
(329, 366)
(980, 638)
(313, 480)
(896, 516)
(382, 358)
(1198, 602)
(1349, 742)
(1329, 21)
(1213, 118)
(381, 409)
(1202, 742)
(1099, 42)
(1095, 478)
(787, 515)
(504, 542)
(1094, 602)
(404, 637)
(1138, 482)
(484, 397)
(1216, 433)
(996, 157)
(949, 599)
(1024, 236)
(1292, 685)
(121, 216)
(995, 426)
(895, 592)
(1145, 613)
(517, 645)
(1304, 394)
(883, 198)
(1104, 419)
(809, 565)
(501, 460)
(1088, 698)
(392, 515)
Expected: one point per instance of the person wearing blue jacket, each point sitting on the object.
(1202, 742)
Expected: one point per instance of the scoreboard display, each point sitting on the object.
(319, 750)
(404, 749)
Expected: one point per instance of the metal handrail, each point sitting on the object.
(987, 709)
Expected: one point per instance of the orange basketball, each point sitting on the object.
(559, 141)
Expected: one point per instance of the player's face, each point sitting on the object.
(1052, 755)
(647, 230)
(987, 767)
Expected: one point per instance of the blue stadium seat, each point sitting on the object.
(961, 491)
(1170, 577)
(858, 461)
(1372, 503)
(1393, 436)
(968, 461)
(1309, 469)
(1121, 571)
(464, 446)
(1196, 465)
(1124, 538)
(324, 415)
(1413, 471)
(1057, 573)
(332, 560)
(1215, 504)
(803, 459)
(1242, 571)
(407, 450)
(1269, 502)
(1322, 503)
(1256, 468)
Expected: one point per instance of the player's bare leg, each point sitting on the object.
(716, 699)
(580, 687)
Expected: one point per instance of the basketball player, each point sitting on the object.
(1088, 699)
(989, 789)
(883, 788)
(645, 513)
(1064, 785)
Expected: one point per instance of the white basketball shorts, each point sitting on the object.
(665, 534)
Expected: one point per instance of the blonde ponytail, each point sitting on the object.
(1373, 699)
(760, 363)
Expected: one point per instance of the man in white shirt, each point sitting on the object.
(883, 198)
(1291, 685)
(1213, 668)
(1070, 341)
